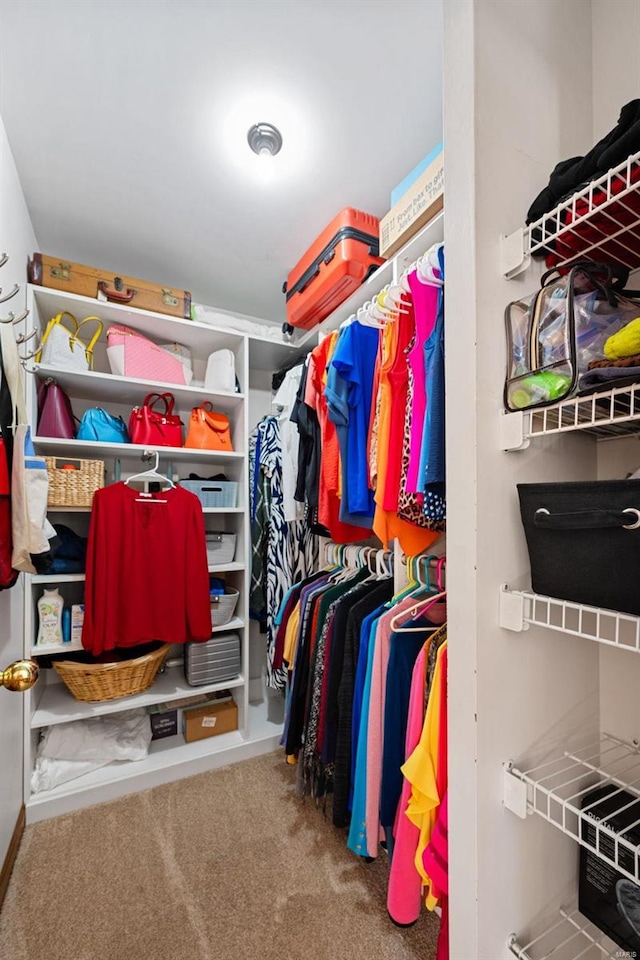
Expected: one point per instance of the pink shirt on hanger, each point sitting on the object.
(404, 893)
(425, 307)
(375, 722)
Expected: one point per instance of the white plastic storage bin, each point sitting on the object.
(221, 548)
(213, 493)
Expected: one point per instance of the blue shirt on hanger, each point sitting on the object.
(354, 359)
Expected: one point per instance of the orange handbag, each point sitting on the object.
(208, 430)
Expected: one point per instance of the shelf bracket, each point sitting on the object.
(514, 258)
(512, 610)
(512, 435)
(514, 792)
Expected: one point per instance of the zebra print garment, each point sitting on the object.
(270, 462)
(289, 550)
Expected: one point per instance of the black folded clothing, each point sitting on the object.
(569, 175)
(220, 477)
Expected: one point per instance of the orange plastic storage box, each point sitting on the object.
(343, 257)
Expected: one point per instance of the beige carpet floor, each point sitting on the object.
(229, 865)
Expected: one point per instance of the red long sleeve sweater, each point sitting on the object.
(147, 574)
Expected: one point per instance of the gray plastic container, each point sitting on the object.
(214, 661)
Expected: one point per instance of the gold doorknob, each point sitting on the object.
(19, 675)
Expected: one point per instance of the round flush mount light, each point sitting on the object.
(264, 139)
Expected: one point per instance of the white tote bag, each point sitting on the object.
(62, 346)
(221, 371)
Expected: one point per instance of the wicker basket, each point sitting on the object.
(73, 488)
(109, 681)
(223, 607)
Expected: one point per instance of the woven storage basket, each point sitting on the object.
(213, 493)
(109, 681)
(223, 607)
(221, 548)
(73, 488)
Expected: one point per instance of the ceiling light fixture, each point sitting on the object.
(264, 139)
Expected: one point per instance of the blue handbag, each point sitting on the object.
(97, 424)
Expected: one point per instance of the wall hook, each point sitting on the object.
(3, 259)
(29, 336)
(8, 296)
(11, 317)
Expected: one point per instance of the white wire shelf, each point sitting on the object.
(557, 789)
(572, 937)
(601, 221)
(521, 608)
(607, 414)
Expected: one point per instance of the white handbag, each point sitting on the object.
(221, 371)
(61, 346)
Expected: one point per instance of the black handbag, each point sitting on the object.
(584, 541)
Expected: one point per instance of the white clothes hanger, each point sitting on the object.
(394, 297)
(364, 317)
(152, 476)
(428, 266)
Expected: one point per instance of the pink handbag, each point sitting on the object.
(132, 355)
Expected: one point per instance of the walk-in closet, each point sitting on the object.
(319, 627)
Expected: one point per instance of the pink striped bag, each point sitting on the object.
(132, 355)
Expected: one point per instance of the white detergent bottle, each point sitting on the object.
(50, 607)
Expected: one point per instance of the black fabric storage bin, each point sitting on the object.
(584, 541)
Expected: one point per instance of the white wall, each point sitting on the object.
(517, 99)
(616, 80)
(616, 60)
(18, 240)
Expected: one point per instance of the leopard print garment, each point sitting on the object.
(411, 505)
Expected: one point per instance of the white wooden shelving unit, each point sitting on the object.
(259, 724)
(50, 702)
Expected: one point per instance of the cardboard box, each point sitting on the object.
(398, 192)
(420, 204)
(209, 721)
(163, 724)
(606, 896)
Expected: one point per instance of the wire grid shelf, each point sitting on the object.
(612, 413)
(556, 790)
(605, 415)
(601, 221)
(614, 629)
(572, 937)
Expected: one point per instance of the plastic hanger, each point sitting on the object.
(404, 615)
(151, 475)
(429, 267)
(364, 317)
(395, 298)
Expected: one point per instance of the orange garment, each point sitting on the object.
(386, 523)
(399, 382)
